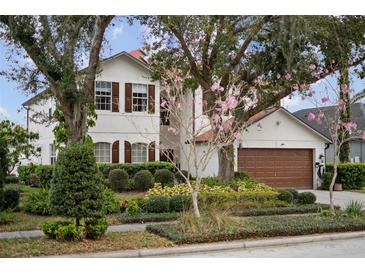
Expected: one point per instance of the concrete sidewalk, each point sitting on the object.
(39, 233)
(221, 247)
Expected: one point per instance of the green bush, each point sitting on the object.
(326, 180)
(212, 181)
(132, 169)
(294, 192)
(11, 179)
(133, 208)
(118, 179)
(143, 180)
(6, 217)
(164, 177)
(180, 203)
(111, 203)
(44, 174)
(38, 203)
(149, 217)
(77, 189)
(11, 198)
(286, 196)
(50, 229)
(350, 175)
(95, 228)
(70, 232)
(306, 198)
(157, 204)
(354, 209)
(24, 172)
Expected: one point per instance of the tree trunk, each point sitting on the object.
(75, 115)
(194, 196)
(332, 207)
(225, 161)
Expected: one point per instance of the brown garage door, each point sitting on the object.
(278, 167)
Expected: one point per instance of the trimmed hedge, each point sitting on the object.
(302, 209)
(132, 169)
(44, 174)
(350, 175)
(264, 226)
(150, 217)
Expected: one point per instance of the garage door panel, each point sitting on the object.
(278, 167)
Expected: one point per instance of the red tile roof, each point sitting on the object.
(138, 54)
(206, 136)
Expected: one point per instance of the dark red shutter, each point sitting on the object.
(128, 97)
(115, 152)
(115, 97)
(127, 152)
(151, 152)
(151, 98)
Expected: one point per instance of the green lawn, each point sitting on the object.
(30, 247)
(129, 195)
(361, 190)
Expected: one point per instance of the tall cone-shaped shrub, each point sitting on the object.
(76, 189)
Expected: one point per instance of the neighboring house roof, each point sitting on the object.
(357, 112)
(206, 136)
(137, 55)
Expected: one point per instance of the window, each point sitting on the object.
(103, 94)
(139, 97)
(102, 152)
(139, 153)
(52, 153)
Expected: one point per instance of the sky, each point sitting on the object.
(122, 37)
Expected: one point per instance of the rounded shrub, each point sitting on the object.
(11, 198)
(306, 198)
(95, 228)
(33, 180)
(157, 204)
(50, 228)
(111, 203)
(286, 196)
(165, 177)
(143, 180)
(180, 203)
(70, 232)
(294, 192)
(77, 188)
(118, 179)
(240, 175)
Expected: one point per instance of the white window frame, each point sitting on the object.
(103, 90)
(103, 154)
(52, 154)
(139, 86)
(138, 149)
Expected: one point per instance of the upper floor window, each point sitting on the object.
(52, 153)
(102, 152)
(103, 95)
(139, 97)
(139, 153)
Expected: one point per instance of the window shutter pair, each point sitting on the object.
(128, 98)
(115, 96)
(128, 152)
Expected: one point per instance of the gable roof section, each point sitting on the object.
(206, 136)
(357, 112)
(137, 55)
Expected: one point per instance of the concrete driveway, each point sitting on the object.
(341, 198)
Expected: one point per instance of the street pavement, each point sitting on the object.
(349, 248)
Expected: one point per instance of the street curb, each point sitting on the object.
(220, 246)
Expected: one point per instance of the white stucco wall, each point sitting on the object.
(277, 130)
(111, 126)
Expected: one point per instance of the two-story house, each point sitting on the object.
(128, 113)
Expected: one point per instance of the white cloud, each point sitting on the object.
(116, 32)
(4, 114)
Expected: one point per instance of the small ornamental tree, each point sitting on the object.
(76, 188)
(329, 106)
(195, 150)
(18, 143)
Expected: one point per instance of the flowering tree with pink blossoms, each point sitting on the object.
(194, 133)
(340, 131)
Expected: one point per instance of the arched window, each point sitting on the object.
(139, 153)
(102, 152)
